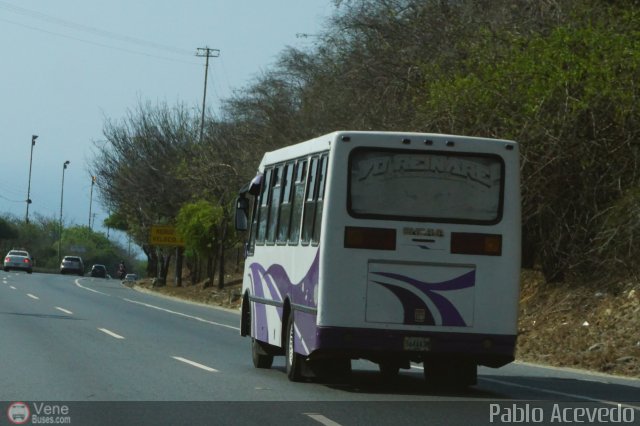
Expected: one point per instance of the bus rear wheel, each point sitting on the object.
(451, 374)
(294, 361)
(389, 369)
(261, 359)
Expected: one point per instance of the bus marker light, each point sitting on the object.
(369, 238)
(481, 244)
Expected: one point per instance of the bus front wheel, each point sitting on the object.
(293, 360)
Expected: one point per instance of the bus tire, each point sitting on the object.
(452, 374)
(389, 369)
(261, 359)
(293, 360)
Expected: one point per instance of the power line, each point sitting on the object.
(89, 29)
(10, 200)
(96, 43)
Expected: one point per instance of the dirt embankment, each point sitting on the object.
(580, 325)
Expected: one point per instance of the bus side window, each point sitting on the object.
(254, 227)
(285, 206)
(298, 201)
(310, 202)
(320, 199)
(263, 209)
(274, 204)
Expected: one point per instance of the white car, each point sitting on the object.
(72, 265)
(18, 260)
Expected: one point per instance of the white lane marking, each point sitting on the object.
(195, 364)
(12, 287)
(552, 392)
(89, 289)
(321, 419)
(64, 310)
(569, 395)
(111, 333)
(181, 314)
(32, 296)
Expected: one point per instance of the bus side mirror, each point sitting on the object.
(242, 207)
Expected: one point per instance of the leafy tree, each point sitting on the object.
(7, 231)
(568, 97)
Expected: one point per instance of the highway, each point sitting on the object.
(114, 355)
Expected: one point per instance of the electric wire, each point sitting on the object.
(134, 52)
(89, 29)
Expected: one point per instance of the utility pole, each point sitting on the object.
(64, 167)
(33, 142)
(93, 182)
(207, 53)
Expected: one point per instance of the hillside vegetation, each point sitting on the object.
(559, 77)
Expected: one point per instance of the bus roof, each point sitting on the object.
(323, 143)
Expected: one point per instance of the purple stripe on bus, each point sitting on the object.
(301, 293)
(410, 303)
(450, 315)
(463, 281)
(261, 329)
(306, 324)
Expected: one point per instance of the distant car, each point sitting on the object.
(99, 271)
(72, 265)
(131, 277)
(18, 259)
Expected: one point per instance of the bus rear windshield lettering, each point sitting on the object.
(437, 186)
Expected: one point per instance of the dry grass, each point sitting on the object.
(228, 297)
(580, 325)
(553, 326)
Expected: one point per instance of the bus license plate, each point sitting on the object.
(417, 344)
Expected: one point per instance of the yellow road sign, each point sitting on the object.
(164, 235)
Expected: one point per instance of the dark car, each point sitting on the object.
(99, 271)
(72, 265)
(18, 259)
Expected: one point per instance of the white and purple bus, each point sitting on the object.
(385, 246)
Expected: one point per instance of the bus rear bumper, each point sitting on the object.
(492, 350)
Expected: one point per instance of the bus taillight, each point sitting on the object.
(482, 244)
(369, 238)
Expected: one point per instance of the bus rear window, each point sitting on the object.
(425, 186)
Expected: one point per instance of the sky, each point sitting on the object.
(66, 66)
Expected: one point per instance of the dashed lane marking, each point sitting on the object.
(33, 297)
(111, 333)
(195, 364)
(64, 310)
(321, 419)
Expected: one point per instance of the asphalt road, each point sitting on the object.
(113, 355)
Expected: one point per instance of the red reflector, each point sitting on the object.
(369, 238)
(482, 244)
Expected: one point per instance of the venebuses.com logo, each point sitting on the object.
(18, 413)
